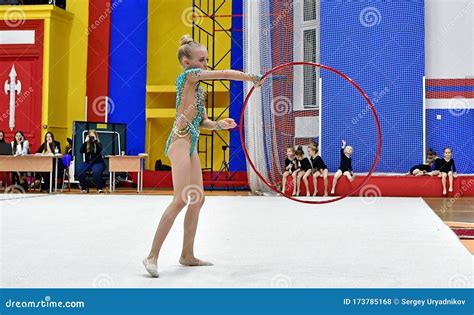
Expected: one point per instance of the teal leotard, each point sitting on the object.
(194, 124)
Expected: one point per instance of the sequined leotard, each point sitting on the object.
(191, 127)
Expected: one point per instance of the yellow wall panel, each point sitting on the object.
(167, 22)
(78, 45)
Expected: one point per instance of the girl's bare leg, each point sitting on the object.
(195, 190)
(450, 176)
(443, 182)
(334, 181)
(315, 183)
(305, 181)
(349, 176)
(298, 182)
(283, 181)
(181, 167)
(294, 183)
(325, 178)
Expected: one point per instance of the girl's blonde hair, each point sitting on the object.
(313, 147)
(291, 148)
(186, 45)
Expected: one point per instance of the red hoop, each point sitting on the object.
(374, 113)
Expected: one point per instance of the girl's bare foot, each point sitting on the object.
(307, 194)
(194, 262)
(332, 192)
(444, 192)
(325, 194)
(315, 194)
(450, 189)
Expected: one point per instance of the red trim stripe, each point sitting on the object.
(450, 82)
(304, 141)
(465, 94)
(306, 113)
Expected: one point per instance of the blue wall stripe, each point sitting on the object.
(449, 88)
(128, 64)
(237, 160)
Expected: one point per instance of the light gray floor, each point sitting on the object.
(88, 241)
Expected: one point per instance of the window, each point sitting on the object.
(306, 48)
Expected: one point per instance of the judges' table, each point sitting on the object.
(32, 163)
(126, 163)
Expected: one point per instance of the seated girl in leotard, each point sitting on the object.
(424, 169)
(445, 168)
(304, 170)
(319, 169)
(290, 167)
(345, 167)
(181, 149)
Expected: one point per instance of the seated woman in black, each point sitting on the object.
(92, 149)
(20, 147)
(50, 146)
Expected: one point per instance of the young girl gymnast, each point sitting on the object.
(319, 169)
(424, 169)
(181, 148)
(345, 167)
(304, 170)
(445, 168)
(290, 167)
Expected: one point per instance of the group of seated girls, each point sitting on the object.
(300, 168)
(436, 166)
(91, 148)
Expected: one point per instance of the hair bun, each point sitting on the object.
(185, 39)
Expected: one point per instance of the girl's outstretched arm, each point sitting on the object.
(225, 75)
